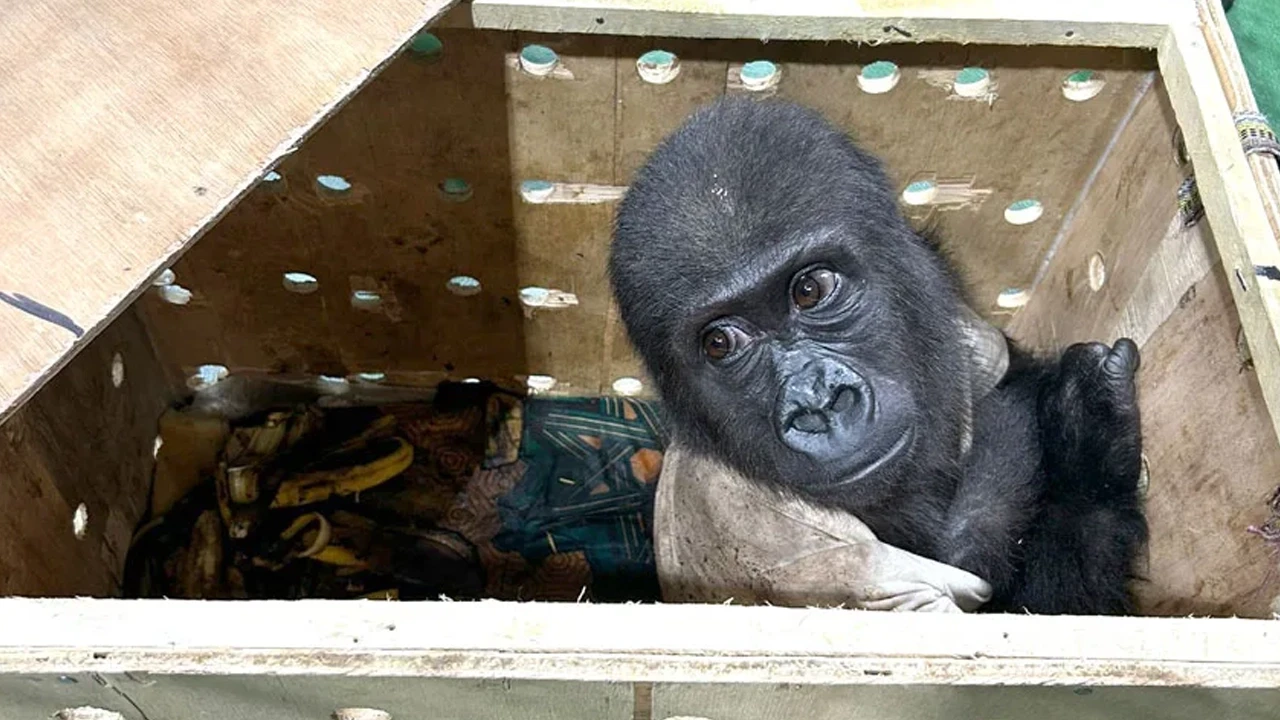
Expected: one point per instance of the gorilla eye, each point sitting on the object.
(812, 288)
(722, 341)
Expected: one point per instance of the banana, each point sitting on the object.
(391, 457)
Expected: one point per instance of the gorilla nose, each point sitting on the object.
(820, 403)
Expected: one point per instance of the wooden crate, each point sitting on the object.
(134, 129)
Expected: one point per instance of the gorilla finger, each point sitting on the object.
(1123, 360)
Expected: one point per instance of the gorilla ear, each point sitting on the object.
(988, 352)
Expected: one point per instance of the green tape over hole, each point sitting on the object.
(539, 55)
(658, 58)
(920, 186)
(333, 183)
(759, 70)
(427, 44)
(1080, 76)
(1023, 204)
(971, 75)
(879, 70)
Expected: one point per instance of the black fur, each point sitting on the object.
(855, 403)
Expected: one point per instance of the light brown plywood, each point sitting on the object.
(131, 125)
(81, 439)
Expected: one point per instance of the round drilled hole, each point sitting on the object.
(471, 380)
(360, 714)
(540, 384)
(166, 277)
(155, 447)
(658, 67)
(207, 375)
(455, 190)
(972, 82)
(1011, 298)
(80, 521)
(87, 713)
(300, 283)
(333, 385)
(463, 285)
(332, 185)
(759, 75)
(117, 370)
(879, 77)
(1097, 272)
(628, 386)
(920, 192)
(174, 294)
(366, 300)
(538, 60)
(1082, 85)
(536, 191)
(371, 377)
(426, 46)
(1144, 477)
(1023, 212)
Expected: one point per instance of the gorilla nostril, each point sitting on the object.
(844, 399)
(810, 421)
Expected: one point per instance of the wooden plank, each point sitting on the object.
(1232, 199)
(132, 125)
(81, 439)
(883, 702)
(630, 643)
(1138, 23)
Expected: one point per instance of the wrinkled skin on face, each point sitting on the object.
(795, 325)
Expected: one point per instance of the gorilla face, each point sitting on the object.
(794, 324)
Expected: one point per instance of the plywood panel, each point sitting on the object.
(130, 125)
(81, 439)
(424, 121)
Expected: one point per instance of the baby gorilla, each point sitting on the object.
(801, 332)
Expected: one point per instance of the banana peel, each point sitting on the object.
(351, 470)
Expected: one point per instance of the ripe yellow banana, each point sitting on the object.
(391, 456)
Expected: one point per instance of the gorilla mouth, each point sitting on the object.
(899, 445)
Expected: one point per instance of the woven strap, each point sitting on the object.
(1189, 204)
(1256, 135)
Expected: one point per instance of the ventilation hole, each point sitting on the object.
(471, 380)
(427, 46)
(117, 370)
(658, 67)
(1144, 477)
(536, 191)
(1071, 33)
(80, 521)
(360, 714)
(67, 680)
(920, 192)
(332, 385)
(627, 386)
(87, 713)
(540, 383)
(1011, 298)
(759, 75)
(301, 283)
(1244, 287)
(455, 189)
(333, 184)
(972, 82)
(174, 294)
(272, 177)
(1023, 212)
(155, 447)
(1082, 85)
(538, 60)
(371, 377)
(207, 375)
(879, 77)
(366, 300)
(166, 277)
(463, 285)
(1097, 272)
